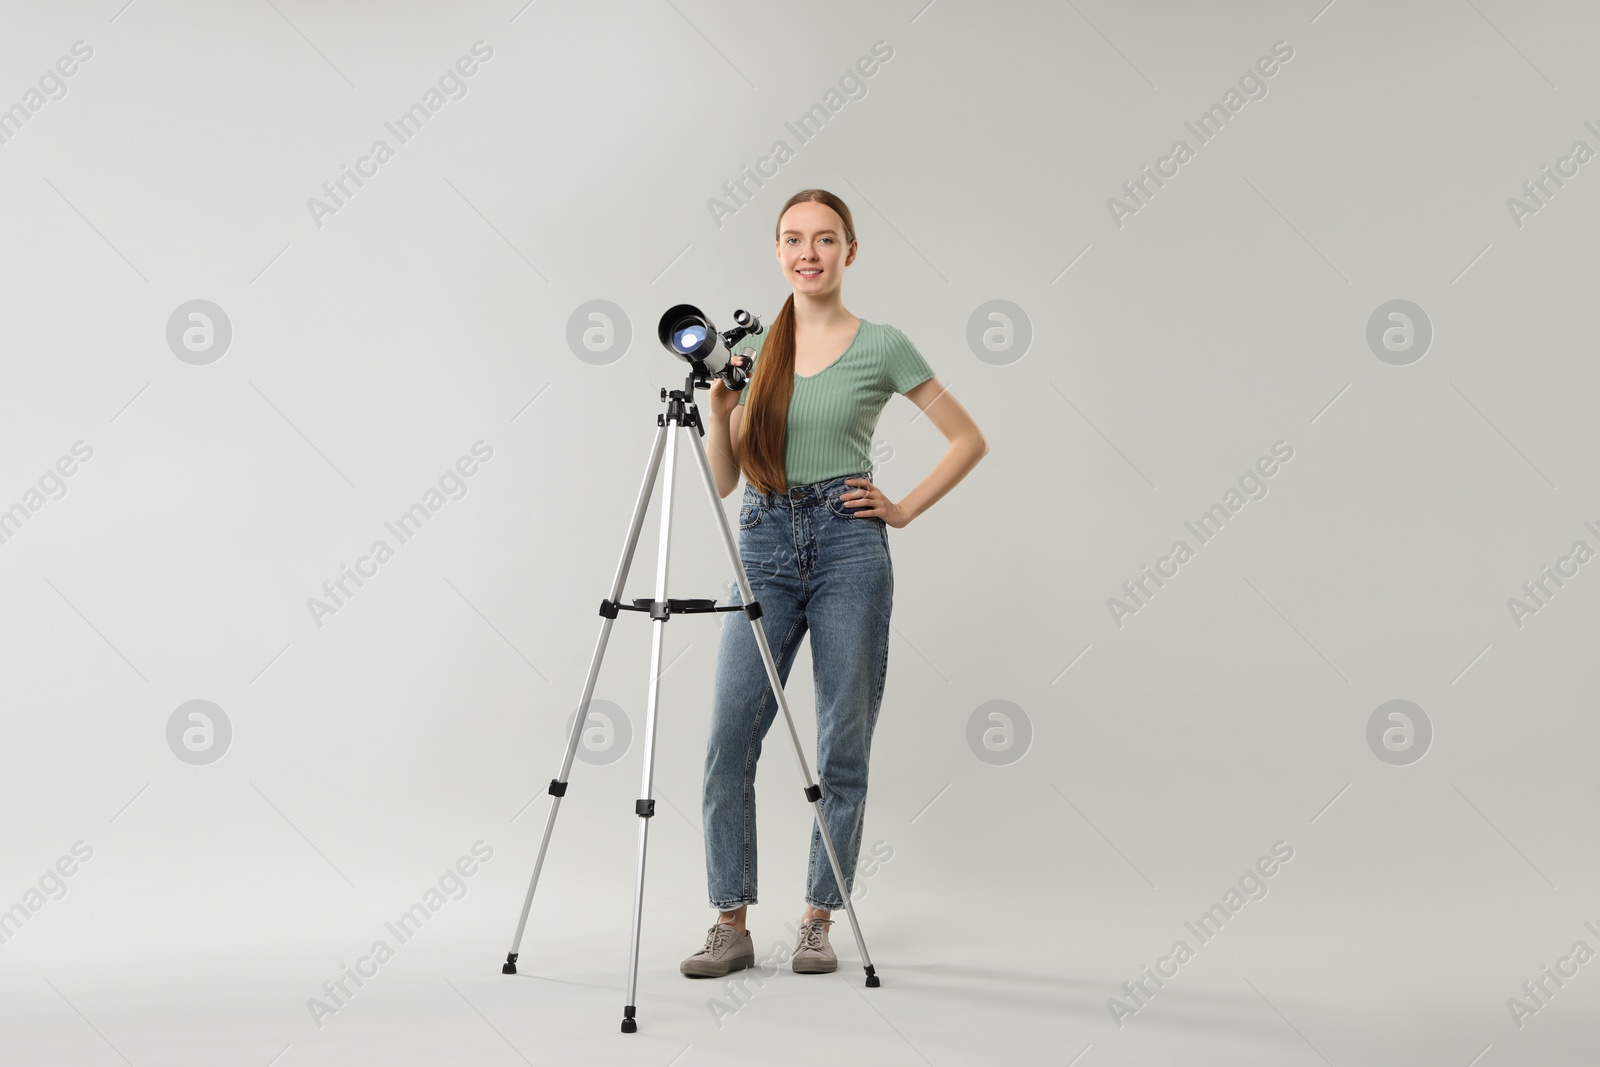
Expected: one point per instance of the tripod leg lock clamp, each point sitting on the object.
(753, 609)
(608, 609)
(558, 789)
(813, 794)
(645, 808)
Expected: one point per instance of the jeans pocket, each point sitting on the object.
(749, 516)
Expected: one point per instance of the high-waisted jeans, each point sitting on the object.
(813, 566)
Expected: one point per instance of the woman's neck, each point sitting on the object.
(820, 314)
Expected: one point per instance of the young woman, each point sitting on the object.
(813, 535)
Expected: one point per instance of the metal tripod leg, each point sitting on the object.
(813, 793)
(645, 807)
(558, 784)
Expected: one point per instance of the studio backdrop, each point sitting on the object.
(1240, 704)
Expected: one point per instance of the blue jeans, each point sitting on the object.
(814, 566)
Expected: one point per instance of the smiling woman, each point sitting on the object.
(814, 544)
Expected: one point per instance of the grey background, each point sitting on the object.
(1167, 355)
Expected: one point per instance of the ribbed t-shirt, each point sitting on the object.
(832, 413)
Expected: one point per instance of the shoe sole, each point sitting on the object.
(816, 968)
(711, 970)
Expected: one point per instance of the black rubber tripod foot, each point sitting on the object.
(872, 977)
(510, 964)
(628, 1025)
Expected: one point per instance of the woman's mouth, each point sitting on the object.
(809, 272)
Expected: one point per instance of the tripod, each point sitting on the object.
(683, 414)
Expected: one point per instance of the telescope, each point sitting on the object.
(688, 333)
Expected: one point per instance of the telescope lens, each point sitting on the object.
(689, 339)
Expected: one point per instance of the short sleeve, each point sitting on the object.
(905, 366)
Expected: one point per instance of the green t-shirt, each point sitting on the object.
(832, 413)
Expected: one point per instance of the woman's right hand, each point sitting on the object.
(723, 399)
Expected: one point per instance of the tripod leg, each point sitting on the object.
(838, 876)
(558, 784)
(645, 807)
(753, 611)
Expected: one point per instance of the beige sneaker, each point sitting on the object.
(725, 950)
(813, 954)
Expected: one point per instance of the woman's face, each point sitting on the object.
(811, 248)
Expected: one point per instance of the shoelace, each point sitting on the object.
(811, 933)
(716, 937)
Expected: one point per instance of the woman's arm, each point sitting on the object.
(722, 448)
(967, 446)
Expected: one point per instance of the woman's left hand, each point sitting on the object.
(867, 499)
